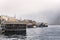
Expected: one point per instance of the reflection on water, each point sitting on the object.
(12, 37)
(48, 33)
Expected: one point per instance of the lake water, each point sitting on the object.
(52, 32)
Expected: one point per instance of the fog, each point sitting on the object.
(38, 10)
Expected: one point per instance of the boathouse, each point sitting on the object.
(14, 27)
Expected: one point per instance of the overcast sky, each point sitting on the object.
(39, 10)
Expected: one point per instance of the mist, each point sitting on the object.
(38, 10)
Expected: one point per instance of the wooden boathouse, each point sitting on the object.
(14, 28)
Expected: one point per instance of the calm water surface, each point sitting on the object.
(48, 33)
